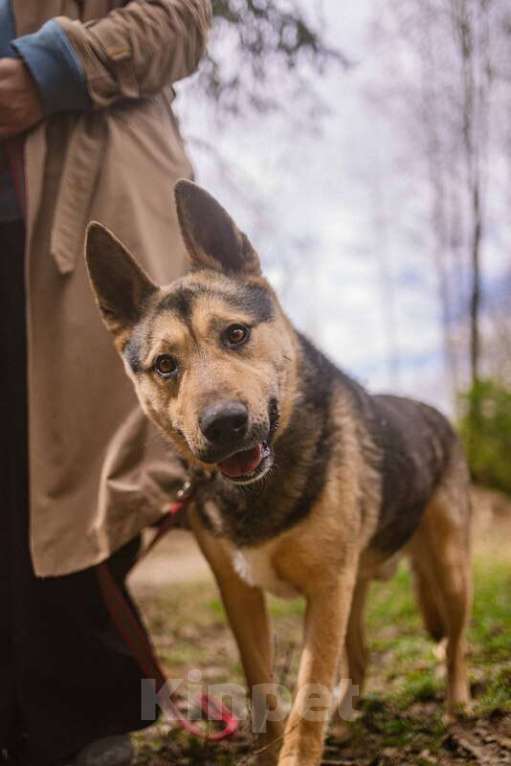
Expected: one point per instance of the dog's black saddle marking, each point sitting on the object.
(415, 444)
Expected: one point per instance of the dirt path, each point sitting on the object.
(177, 560)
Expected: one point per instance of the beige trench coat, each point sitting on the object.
(98, 473)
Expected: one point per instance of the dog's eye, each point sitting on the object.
(236, 335)
(166, 366)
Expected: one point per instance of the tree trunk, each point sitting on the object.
(475, 297)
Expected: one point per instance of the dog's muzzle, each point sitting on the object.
(242, 454)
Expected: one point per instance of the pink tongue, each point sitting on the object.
(242, 463)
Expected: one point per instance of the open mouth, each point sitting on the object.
(248, 465)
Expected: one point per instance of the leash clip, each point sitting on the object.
(187, 490)
(189, 487)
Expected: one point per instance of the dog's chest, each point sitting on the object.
(255, 567)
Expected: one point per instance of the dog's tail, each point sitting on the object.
(431, 615)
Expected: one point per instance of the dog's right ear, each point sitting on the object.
(121, 287)
(211, 237)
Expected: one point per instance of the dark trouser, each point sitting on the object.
(65, 676)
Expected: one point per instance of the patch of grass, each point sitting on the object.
(490, 633)
(403, 706)
(280, 608)
(405, 655)
(491, 618)
(393, 600)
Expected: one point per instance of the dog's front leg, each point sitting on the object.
(326, 621)
(245, 607)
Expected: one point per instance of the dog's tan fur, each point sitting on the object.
(334, 547)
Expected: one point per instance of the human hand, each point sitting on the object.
(20, 103)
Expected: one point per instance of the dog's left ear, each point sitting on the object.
(121, 286)
(212, 238)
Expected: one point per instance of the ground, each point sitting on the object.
(400, 719)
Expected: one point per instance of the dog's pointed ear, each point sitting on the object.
(120, 285)
(212, 238)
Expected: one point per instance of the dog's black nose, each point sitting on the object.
(224, 423)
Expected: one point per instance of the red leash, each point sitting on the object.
(135, 637)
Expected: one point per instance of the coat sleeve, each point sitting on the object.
(137, 50)
(55, 67)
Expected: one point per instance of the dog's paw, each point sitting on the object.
(458, 711)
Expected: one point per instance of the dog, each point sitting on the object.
(315, 486)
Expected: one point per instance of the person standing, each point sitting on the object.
(86, 132)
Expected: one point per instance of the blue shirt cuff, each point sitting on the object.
(56, 69)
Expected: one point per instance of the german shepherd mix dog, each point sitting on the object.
(316, 486)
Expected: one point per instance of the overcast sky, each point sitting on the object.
(332, 216)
